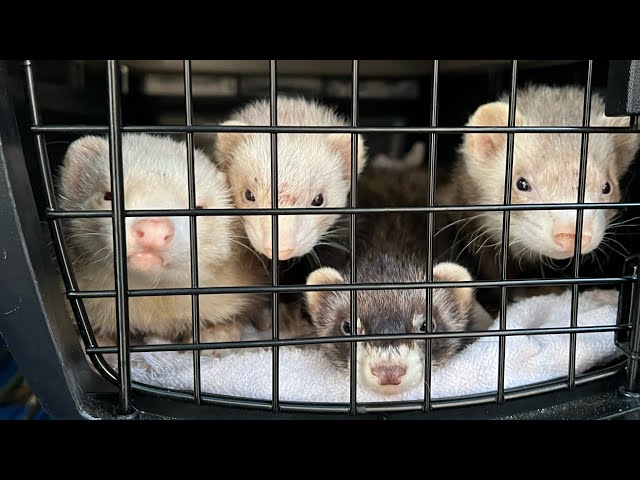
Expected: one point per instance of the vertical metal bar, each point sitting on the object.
(193, 231)
(586, 115)
(505, 228)
(433, 138)
(119, 237)
(632, 383)
(273, 121)
(353, 197)
(59, 242)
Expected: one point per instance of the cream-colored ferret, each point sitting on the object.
(314, 171)
(545, 170)
(158, 248)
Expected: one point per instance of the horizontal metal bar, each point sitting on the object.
(314, 407)
(180, 347)
(156, 292)
(85, 129)
(342, 210)
(515, 393)
(390, 407)
(327, 129)
(210, 399)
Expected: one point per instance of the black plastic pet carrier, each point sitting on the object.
(44, 105)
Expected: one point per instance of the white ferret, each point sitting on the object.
(545, 170)
(158, 248)
(314, 171)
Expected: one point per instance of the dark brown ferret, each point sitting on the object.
(392, 248)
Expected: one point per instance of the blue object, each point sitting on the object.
(8, 371)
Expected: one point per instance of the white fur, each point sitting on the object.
(308, 165)
(550, 163)
(155, 177)
(369, 355)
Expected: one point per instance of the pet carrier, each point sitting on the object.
(45, 324)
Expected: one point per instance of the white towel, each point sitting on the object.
(306, 375)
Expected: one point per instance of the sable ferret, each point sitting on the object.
(393, 248)
(545, 170)
(155, 177)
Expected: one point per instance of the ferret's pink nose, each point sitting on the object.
(566, 240)
(389, 374)
(283, 254)
(154, 233)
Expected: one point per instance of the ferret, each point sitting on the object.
(413, 158)
(545, 170)
(314, 171)
(393, 248)
(158, 248)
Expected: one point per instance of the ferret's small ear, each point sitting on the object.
(321, 276)
(85, 150)
(80, 163)
(625, 145)
(483, 147)
(452, 272)
(341, 143)
(415, 156)
(226, 142)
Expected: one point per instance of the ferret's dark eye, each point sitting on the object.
(346, 327)
(319, 200)
(423, 328)
(523, 185)
(107, 196)
(606, 188)
(249, 196)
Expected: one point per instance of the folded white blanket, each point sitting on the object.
(306, 375)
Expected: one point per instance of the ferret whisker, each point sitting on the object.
(293, 262)
(475, 236)
(617, 242)
(315, 257)
(460, 230)
(466, 220)
(334, 245)
(101, 260)
(624, 224)
(595, 257)
(253, 252)
(103, 248)
(607, 243)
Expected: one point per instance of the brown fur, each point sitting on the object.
(393, 248)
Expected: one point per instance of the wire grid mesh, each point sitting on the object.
(122, 377)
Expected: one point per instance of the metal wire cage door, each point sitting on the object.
(16, 218)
